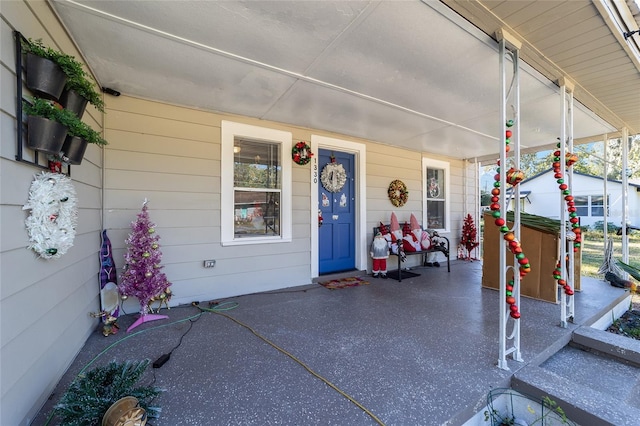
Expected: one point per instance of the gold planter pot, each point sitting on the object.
(125, 412)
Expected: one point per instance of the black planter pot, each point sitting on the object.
(73, 149)
(45, 135)
(72, 101)
(45, 77)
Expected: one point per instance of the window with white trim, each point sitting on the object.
(589, 205)
(597, 205)
(436, 194)
(581, 203)
(255, 185)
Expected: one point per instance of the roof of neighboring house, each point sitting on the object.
(635, 185)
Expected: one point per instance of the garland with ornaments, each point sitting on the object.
(575, 234)
(301, 153)
(54, 215)
(333, 176)
(398, 193)
(513, 177)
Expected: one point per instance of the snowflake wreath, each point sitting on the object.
(398, 193)
(52, 223)
(301, 153)
(333, 176)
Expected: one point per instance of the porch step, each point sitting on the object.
(603, 342)
(595, 379)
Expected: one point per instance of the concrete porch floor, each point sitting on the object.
(419, 352)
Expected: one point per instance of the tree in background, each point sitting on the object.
(469, 238)
(142, 277)
(592, 158)
(591, 162)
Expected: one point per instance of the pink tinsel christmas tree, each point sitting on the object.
(142, 277)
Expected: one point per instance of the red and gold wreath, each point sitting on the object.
(301, 153)
(398, 194)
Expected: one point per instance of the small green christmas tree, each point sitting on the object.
(469, 238)
(90, 395)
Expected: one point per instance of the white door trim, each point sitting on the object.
(360, 163)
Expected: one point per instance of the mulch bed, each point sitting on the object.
(629, 323)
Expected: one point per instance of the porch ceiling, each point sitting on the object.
(421, 75)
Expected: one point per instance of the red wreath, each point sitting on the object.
(301, 153)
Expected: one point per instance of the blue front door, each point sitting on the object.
(336, 203)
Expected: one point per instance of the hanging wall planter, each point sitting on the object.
(45, 135)
(45, 77)
(73, 149)
(49, 124)
(76, 79)
(74, 102)
(79, 136)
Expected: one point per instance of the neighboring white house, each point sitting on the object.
(541, 196)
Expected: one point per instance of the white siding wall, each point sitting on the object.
(545, 196)
(386, 163)
(44, 304)
(171, 156)
(465, 198)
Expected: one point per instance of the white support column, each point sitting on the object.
(625, 194)
(566, 254)
(509, 46)
(605, 193)
(570, 305)
(476, 200)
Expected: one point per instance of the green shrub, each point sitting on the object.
(599, 226)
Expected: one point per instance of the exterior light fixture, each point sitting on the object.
(630, 33)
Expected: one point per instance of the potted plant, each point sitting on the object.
(74, 91)
(79, 136)
(48, 125)
(45, 73)
(79, 90)
(95, 397)
(506, 407)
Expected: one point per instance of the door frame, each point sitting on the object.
(360, 173)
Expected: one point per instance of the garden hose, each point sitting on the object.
(219, 309)
(305, 366)
(111, 346)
